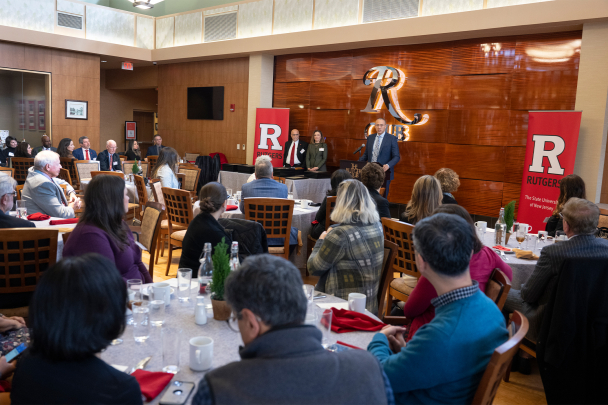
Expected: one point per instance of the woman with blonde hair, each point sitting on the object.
(348, 257)
(426, 196)
(167, 162)
(449, 181)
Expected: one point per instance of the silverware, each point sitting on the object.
(319, 296)
(504, 257)
(141, 364)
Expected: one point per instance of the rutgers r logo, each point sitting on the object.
(272, 133)
(559, 145)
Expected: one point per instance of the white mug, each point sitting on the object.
(231, 201)
(527, 227)
(304, 203)
(162, 291)
(356, 302)
(201, 353)
(481, 225)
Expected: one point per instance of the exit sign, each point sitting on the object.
(127, 65)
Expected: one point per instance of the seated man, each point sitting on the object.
(446, 358)
(283, 361)
(154, 150)
(84, 152)
(46, 145)
(580, 219)
(7, 195)
(372, 177)
(109, 161)
(42, 191)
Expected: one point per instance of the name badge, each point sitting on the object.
(115, 163)
(302, 151)
(11, 154)
(321, 149)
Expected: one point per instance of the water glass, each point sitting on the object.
(542, 239)
(134, 293)
(531, 242)
(560, 236)
(311, 314)
(141, 321)
(157, 312)
(290, 196)
(184, 276)
(309, 291)
(21, 210)
(229, 192)
(324, 325)
(171, 338)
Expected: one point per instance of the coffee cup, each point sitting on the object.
(162, 291)
(356, 302)
(304, 203)
(481, 225)
(232, 201)
(201, 353)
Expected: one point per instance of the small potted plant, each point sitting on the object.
(509, 217)
(221, 270)
(135, 169)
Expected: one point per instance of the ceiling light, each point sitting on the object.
(144, 4)
(103, 61)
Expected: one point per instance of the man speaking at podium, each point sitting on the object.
(383, 149)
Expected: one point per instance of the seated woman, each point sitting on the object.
(23, 150)
(9, 151)
(165, 168)
(102, 230)
(372, 177)
(426, 197)
(336, 179)
(78, 308)
(133, 151)
(570, 186)
(418, 307)
(348, 257)
(204, 228)
(65, 148)
(449, 181)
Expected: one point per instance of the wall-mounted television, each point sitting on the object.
(206, 103)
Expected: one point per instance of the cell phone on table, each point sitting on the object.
(15, 352)
(177, 393)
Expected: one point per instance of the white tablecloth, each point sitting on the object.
(131, 190)
(47, 225)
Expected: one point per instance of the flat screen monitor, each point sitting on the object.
(206, 103)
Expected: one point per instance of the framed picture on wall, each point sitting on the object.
(32, 122)
(76, 110)
(31, 107)
(130, 130)
(41, 108)
(41, 123)
(32, 115)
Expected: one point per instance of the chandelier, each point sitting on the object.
(145, 4)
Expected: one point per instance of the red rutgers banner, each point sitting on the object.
(271, 133)
(550, 155)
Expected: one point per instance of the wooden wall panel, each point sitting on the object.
(480, 197)
(551, 90)
(476, 162)
(435, 130)
(560, 51)
(340, 148)
(292, 95)
(420, 158)
(293, 68)
(480, 127)
(358, 121)
(427, 58)
(330, 95)
(428, 92)
(510, 192)
(519, 128)
(514, 164)
(483, 91)
(483, 58)
(333, 123)
(331, 66)
(401, 187)
(299, 118)
(365, 59)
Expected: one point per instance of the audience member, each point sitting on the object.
(446, 359)
(9, 152)
(295, 151)
(165, 168)
(418, 307)
(155, 149)
(46, 145)
(264, 185)
(101, 228)
(449, 181)
(109, 161)
(78, 308)
(336, 179)
(133, 151)
(348, 256)
(570, 186)
(372, 177)
(42, 190)
(205, 227)
(383, 150)
(316, 156)
(7, 196)
(426, 197)
(24, 150)
(580, 218)
(65, 148)
(279, 349)
(13, 332)
(85, 152)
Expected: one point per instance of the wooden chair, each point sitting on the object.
(127, 167)
(498, 287)
(330, 204)
(133, 207)
(122, 158)
(191, 157)
(68, 163)
(152, 160)
(65, 236)
(19, 189)
(21, 166)
(500, 361)
(142, 196)
(400, 233)
(381, 192)
(190, 183)
(179, 215)
(275, 215)
(163, 236)
(84, 168)
(8, 171)
(64, 174)
(279, 179)
(150, 229)
(99, 173)
(25, 254)
(384, 298)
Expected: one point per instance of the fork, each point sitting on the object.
(503, 256)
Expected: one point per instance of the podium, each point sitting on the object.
(354, 167)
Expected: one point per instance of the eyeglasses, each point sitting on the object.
(233, 322)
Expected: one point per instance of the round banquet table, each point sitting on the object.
(131, 191)
(47, 225)
(225, 342)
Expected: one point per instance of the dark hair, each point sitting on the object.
(249, 286)
(8, 141)
(167, 156)
(212, 197)
(78, 307)
(454, 209)
(445, 242)
(372, 176)
(336, 178)
(62, 149)
(570, 186)
(81, 139)
(21, 150)
(137, 151)
(312, 137)
(104, 207)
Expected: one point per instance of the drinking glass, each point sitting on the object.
(290, 196)
(542, 239)
(157, 312)
(531, 242)
(21, 210)
(520, 233)
(134, 292)
(311, 314)
(560, 236)
(229, 192)
(184, 276)
(325, 326)
(309, 291)
(171, 341)
(141, 320)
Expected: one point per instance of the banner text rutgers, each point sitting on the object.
(271, 133)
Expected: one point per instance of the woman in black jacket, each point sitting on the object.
(450, 182)
(570, 186)
(319, 227)
(133, 151)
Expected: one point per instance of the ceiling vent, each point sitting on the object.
(380, 10)
(220, 27)
(69, 21)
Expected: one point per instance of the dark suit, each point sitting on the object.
(104, 162)
(388, 154)
(448, 199)
(154, 150)
(79, 154)
(300, 153)
(381, 203)
(535, 294)
(39, 149)
(8, 221)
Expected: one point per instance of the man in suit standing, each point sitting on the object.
(154, 150)
(7, 194)
(109, 161)
(84, 152)
(295, 151)
(46, 145)
(383, 150)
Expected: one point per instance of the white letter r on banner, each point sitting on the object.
(539, 153)
(274, 137)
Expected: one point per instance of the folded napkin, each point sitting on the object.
(39, 216)
(151, 383)
(232, 207)
(64, 221)
(525, 254)
(504, 249)
(349, 321)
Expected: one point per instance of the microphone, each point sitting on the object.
(358, 150)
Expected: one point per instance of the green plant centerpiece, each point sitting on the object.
(509, 218)
(135, 168)
(221, 270)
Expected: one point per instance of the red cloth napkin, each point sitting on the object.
(504, 249)
(64, 221)
(39, 216)
(349, 321)
(151, 383)
(232, 207)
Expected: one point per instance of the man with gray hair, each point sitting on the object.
(7, 196)
(580, 223)
(42, 190)
(84, 152)
(264, 185)
(283, 361)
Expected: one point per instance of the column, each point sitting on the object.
(261, 72)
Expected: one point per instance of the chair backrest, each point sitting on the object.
(117, 174)
(497, 288)
(382, 190)
(21, 166)
(384, 301)
(279, 179)
(64, 175)
(8, 171)
(127, 167)
(84, 169)
(191, 180)
(150, 228)
(157, 192)
(274, 214)
(178, 206)
(122, 158)
(65, 190)
(152, 160)
(330, 204)
(500, 360)
(400, 233)
(19, 189)
(68, 163)
(142, 193)
(191, 157)
(25, 254)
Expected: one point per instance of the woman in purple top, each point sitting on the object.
(102, 229)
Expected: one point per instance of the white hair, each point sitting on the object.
(7, 185)
(354, 204)
(263, 167)
(45, 157)
(263, 158)
(110, 140)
